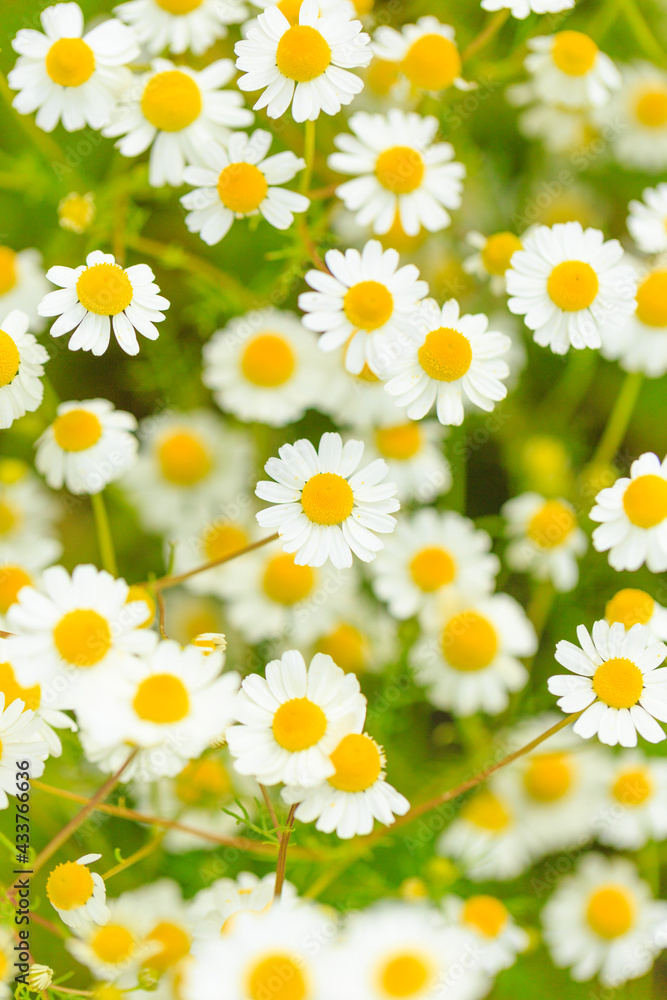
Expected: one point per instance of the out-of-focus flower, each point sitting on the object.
(522, 8)
(640, 345)
(647, 220)
(21, 367)
(180, 24)
(23, 283)
(635, 607)
(637, 118)
(493, 257)
(546, 539)
(20, 739)
(426, 54)
(568, 69)
(490, 925)
(76, 211)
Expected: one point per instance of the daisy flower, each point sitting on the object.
(432, 554)
(177, 111)
(72, 634)
(522, 8)
(67, 76)
(635, 607)
(426, 54)
(20, 739)
(635, 806)
(264, 366)
(88, 445)
(22, 284)
(633, 516)
(493, 257)
(603, 920)
(76, 212)
(21, 366)
(46, 719)
(324, 509)
(570, 286)
(568, 69)
(360, 639)
(28, 516)
(168, 927)
(306, 64)
(486, 838)
(647, 220)
(115, 951)
(178, 25)
(449, 356)
(292, 721)
(640, 345)
(415, 180)
(473, 663)
(488, 921)
(638, 118)
(414, 455)
(356, 794)
(212, 907)
(77, 894)
(239, 180)
(614, 683)
(545, 539)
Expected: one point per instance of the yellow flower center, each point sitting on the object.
(162, 698)
(469, 642)
(486, 914)
(10, 359)
(76, 212)
(104, 289)
(633, 788)
(77, 430)
(70, 62)
(179, 6)
(9, 518)
(401, 442)
(203, 781)
(175, 945)
(268, 360)
(405, 975)
(645, 501)
(382, 75)
(327, 498)
(651, 108)
(445, 355)
(221, 540)
(302, 53)
(400, 169)
(432, 568)
(69, 886)
(8, 274)
(432, 62)
(286, 583)
(138, 593)
(184, 458)
(299, 724)
(572, 285)
(548, 777)
(347, 647)
(112, 944)
(12, 690)
(363, 7)
(368, 305)
(652, 300)
(498, 250)
(358, 763)
(618, 682)
(277, 977)
(107, 991)
(82, 637)
(486, 811)
(630, 607)
(242, 187)
(551, 525)
(290, 9)
(12, 578)
(574, 53)
(171, 101)
(610, 911)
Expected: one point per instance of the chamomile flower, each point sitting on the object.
(28, 513)
(638, 116)
(630, 606)
(178, 25)
(324, 509)
(486, 838)
(426, 53)
(448, 357)
(167, 928)
(614, 683)
(546, 539)
(77, 894)
(292, 721)
(367, 303)
(47, 719)
(115, 951)
(640, 345)
(647, 220)
(239, 180)
(568, 69)
(73, 632)
(359, 638)
(570, 286)
(21, 366)
(88, 445)
(20, 739)
(493, 257)
(305, 65)
(23, 283)
(488, 921)
(635, 806)
(414, 455)
(66, 75)
(522, 8)
(432, 554)
(264, 366)
(633, 517)
(603, 920)
(99, 295)
(399, 170)
(212, 907)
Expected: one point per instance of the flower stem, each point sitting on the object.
(309, 156)
(642, 32)
(487, 33)
(618, 421)
(281, 863)
(104, 537)
(163, 582)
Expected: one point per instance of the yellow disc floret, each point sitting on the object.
(432, 62)
(113, 944)
(486, 914)
(486, 811)
(242, 187)
(12, 690)
(104, 289)
(8, 275)
(69, 886)
(299, 724)
(574, 53)
(347, 646)
(498, 250)
(645, 501)
(184, 458)
(220, 540)
(12, 578)
(174, 945)
(286, 583)
(368, 305)
(268, 360)
(630, 607)
(179, 6)
(610, 911)
(161, 698)
(77, 430)
(651, 108)
(548, 777)
(400, 169)
(10, 359)
(290, 9)
(358, 763)
(10, 518)
(401, 442)
(202, 781)
(445, 355)
(551, 525)
(432, 568)
(405, 975)
(632, 788)
(327, 498)
(302, 53)
(171, 101)
(618, 682)
(82, 637)
(572, 285)
(277, 977)
(652, 300)
(469, 642)
(70, 62)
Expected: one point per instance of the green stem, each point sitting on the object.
(309, 156)
(642, 32)
(492, 28)
(281, 863)
(619, 420)
(104, 538)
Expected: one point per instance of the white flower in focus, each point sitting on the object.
(178, 25)
(77, 894)
(21, 367)
(546, 539)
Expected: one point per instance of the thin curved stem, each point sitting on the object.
(281, 863)
(619, 420)
(308, 155)
(104, 536)
(163, 582)
(485, 36)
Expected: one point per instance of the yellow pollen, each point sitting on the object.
(161, 698)
(9, 518)
(610, 912)
(400, 169)
(8, 274)
(432, 568)
(299, 724)
(104, 289)
(327, 498)
(406, 975)
(76, 211)
(633, 788)
(486, 811)
(286, 583)
(551, 525)
(368, 305)
(179, 6)
(70, 62)
(203, 781)
(651, 108)
(10, 359)
(302, 53)
(652, 300)
(268, 360)
(77, 430)
(574, 53)
(432, 62)
(498, 250)
(572, 285)
(548, 777)
(445, 355)
(12, 578)
(348, 648)
(184, 458)
(469, 642)
(69, 886)
(630, 607)
(113, 944)
(138, 593)
(618, 682)
(645, 501)
(401, 442)
(486, 914)
(290, 9)
(277, 977)
(382, 75)
(175, 944)
(363, 7)
(82, 637)
(242, 187)
(358, 763)
(221, 540)
(171, 101)
(12, 690)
